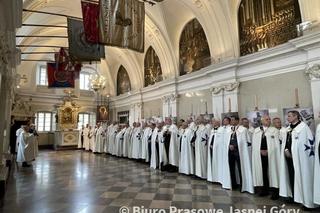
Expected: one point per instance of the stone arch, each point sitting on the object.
(123, 81)
(152, 68)
(194, 52)
(265, 24)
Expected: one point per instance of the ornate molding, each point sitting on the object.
(225, 87)
(313, 72)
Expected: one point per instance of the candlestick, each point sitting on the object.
(206, 108)
(296, 91)
(229, 104)
(256, 102)
(191, 109)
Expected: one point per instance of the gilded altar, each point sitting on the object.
(68, 115)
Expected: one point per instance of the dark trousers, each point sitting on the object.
(234, 159)
(157, 151)
(149, 151)
(291, 173)
(265, 173)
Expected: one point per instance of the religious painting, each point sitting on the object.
(194, 48)
(267, 23)
(306, 115)
(67, 115)
(123, 117)
(123, 81)
(255, 117)
(102, 113)
(152, 68)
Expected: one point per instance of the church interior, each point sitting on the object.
(122, 105)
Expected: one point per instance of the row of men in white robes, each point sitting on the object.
(26, 145)
(236, 156)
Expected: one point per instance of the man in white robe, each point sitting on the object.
(108, 132)
(317, 168)
(238, 160)
(297, 162)
(86, 139)
(126, 140)
(146, 139)
(118, 147)
(92, 137)
(36, 143)
(136, 141)
(130, 146)
(174, 145)
(219, 155)
(155, 140)
(266, 158)
(99, 142)
(201, 148)
(246, 123)
(214, 130)
(112, 137)
(18, 132)
(25, 148)
(81, 139)
(186, 164)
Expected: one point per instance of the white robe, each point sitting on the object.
(79, 141)
(126, 142)
(86, 141)
(154, 162)
(317, 169)
(107, 144)
(99, 141)
(92, 138)
(303, 162)
(186, 163)
(246, 172)
(147, 132)
(26, 147)
(210, 155)
(201, 151)
(136, 142)
(174, 146)
(112, 139)
(118, 147)
(218, 155)
(163, 155)
(18, 132)
(273, 143)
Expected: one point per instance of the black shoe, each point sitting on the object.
(263, 194)
(306, 209)
(275, 197)
(24, 164)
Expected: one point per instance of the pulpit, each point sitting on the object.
(67, 135)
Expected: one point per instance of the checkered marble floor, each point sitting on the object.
(78, 181)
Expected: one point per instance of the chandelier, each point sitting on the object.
(97, 82)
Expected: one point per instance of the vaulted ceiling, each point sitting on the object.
(164, 24)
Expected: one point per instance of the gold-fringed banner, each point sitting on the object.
(122, 24)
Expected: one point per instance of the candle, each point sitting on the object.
(206, 108)
(296, 91)
(191, 109)
(229, 104)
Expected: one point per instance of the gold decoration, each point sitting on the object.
(123, 81)
(267, 23)
(194, 48)
(152, 68)
(68, 114)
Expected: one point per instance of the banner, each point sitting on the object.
(57, 77)
(90, 15)
(121, 24)
(79, 48)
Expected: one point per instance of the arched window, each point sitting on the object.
(152, 68)
(123, 81)
(194, 48)
(267, 23)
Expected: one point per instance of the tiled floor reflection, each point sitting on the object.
(76, 181)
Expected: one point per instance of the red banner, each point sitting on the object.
(90, 14)
(57, 77)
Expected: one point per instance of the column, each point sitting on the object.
(173, 105)
(165, 106)
(314, 75)
(225, 98)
